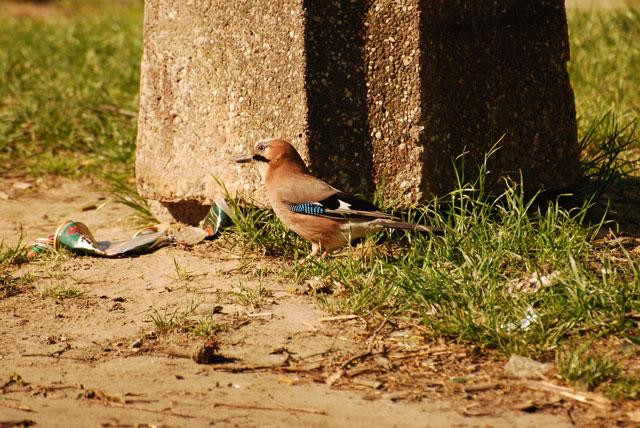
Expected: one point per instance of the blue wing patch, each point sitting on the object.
(308, 208)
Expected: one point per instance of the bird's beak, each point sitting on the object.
(245, 158)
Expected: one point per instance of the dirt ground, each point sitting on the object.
(97, 360)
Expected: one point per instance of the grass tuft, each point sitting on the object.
(626, 387)
(13, 255)
(169, 321)
(607, 157)
(11, 285)
(206, 326)
(258, 230)
(125, 193)
(183, 321)
(591, 367)
(253, 297)
(62, 291)
(182, 273)
(586, 367)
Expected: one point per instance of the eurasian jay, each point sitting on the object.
(320, 213)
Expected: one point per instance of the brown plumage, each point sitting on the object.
(315, 210)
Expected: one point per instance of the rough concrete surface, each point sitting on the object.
(215, 76)
(369, 92)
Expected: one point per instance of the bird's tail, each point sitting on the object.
(396, 224)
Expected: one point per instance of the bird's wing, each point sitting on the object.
(340, 205)
(294, 188)
(306, 194)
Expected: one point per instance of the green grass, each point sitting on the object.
(62, 291)
(13, 255)
(586, 367)
(69, 92)
(169, 321)
(517, 274)
(253, 297)
(182, 274)
(205, 326)
(605, 59)
(124, 192)
(624, 387)
(183, 320)
(258, 230)
(594, 367)
(11, 285)
(464, 285)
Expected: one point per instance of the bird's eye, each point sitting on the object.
(260, 147)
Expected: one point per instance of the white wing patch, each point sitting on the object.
(343, 205)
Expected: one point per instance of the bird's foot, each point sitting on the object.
(316, 251)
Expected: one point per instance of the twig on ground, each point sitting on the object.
(411, 354)
(39, 389)
(82, 360)
(357, 357)
(374, 384)
(311, 327)
(479, 387)
(377, 331)
(273, 367)
(338, 318)
(237, 368)
(17, 423)
(333, 378)
(54, 354)
(142, 409)
(177, 354)
(315, 354)
(571, 418)
(283, 405)
(596, 400)
(281, 408)
(17, 406)
(261, 315)
(371, 341)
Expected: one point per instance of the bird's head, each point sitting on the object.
(273, 153)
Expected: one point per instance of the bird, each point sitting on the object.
(320, 213)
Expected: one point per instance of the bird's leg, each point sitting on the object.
(315, 249)
(323, 253)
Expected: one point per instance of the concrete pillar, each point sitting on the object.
(367, 91)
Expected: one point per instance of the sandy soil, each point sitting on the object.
(73, 361)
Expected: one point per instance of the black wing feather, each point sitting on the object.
(355, 203)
